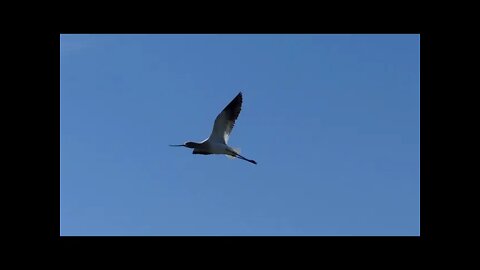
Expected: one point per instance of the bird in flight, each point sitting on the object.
(217, 142)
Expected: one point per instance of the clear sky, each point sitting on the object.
(332, 120)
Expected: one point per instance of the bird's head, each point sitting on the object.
(187, 144)
(191, 144)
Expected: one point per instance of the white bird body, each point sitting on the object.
(216, 143)
(219, 148)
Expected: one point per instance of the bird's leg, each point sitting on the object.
(246, 159)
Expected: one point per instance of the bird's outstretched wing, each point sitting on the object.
(226, 120)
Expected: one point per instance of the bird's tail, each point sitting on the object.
(236, 150)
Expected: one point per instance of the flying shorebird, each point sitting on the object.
(217, 142)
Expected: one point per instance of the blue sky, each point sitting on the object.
(332, 120)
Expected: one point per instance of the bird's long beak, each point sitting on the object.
(177, 144)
